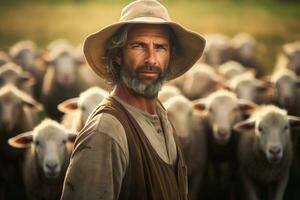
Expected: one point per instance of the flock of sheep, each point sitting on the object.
(236, 125)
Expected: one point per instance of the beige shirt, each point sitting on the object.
(101, 157)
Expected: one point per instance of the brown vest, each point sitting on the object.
(147, 177)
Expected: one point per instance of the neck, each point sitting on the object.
(142, 103)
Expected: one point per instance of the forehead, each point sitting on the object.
(149, 30)
(273, 120)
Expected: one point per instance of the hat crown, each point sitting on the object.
(144, 8)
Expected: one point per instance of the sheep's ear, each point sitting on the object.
(199, 104)
(72, 137)
(23, 140)
(263, 86)
(294, 121)
(244, 126)
(68, 105)
(246, 106)
(33, 105)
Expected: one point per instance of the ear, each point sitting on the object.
(72, 137)
(33, 105)
(199, 104)
(68, 105)
(263, 86)
(243, 126)
(223, 86)
(246, 106)
(294, 121)
(23, 140)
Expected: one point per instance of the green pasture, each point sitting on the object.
(271, 22)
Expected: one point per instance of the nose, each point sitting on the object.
(151, 57)
(5, 124)
(51, 166)
(274, 150)
(222, 133)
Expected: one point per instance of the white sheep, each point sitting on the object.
(18, 113)
(46, 160)
(289, 57)
(218, 49)
(201, 80)
(231, 69)
(24, 53)
(246, 86)
(265, 150)
(11, 73)
(286, 85)
(188, 126)
(244, 46)
(221, 110)
(61, 80)
(78, 109)
(168, 91)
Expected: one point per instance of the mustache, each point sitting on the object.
(148, 68)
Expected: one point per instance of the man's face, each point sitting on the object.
(145, 58)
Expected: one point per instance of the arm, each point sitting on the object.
(96, 169)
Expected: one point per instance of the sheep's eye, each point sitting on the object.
(260, 129)
(64, 141)
(37, 143)
(286, 127)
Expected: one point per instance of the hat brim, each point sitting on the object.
(189, 50)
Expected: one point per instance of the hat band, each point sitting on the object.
(150, 20)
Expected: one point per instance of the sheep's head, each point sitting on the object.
(12, 103)
(49, 144)
(224, 109)
(271, 127)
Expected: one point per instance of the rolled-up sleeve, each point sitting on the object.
(96, 170)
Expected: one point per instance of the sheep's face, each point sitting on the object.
(272, 132)
(247, 51)
(26, 58)
(295, 62)
(247, 90)
(66, 69)
(286, 88)
(10, 111)
(180, 114)
(223, 113)
(89, 104)
(193, 88)
(51, 150)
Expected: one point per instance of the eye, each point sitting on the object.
(64, 141)
(286, 127)
(37, 143)
(160, 46)
(137, 45)
(260, 129)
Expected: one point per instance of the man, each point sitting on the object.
(127, 149)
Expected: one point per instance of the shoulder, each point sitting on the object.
(103, 126)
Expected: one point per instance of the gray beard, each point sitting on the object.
(148, 91)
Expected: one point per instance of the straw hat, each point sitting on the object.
(190, 44)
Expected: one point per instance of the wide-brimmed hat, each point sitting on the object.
(189, 49)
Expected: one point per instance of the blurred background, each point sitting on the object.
(271, 22)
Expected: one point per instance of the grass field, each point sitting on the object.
(271, 22)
